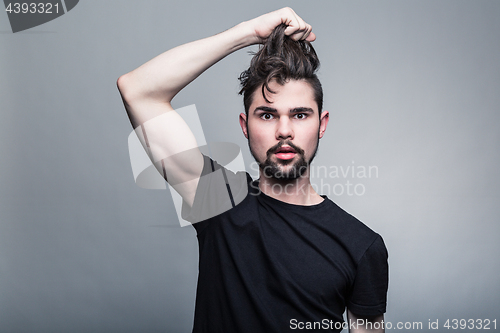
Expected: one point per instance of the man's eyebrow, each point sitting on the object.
(294, 110)
(265, 109)
(301, 110)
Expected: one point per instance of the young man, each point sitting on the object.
(276, 256)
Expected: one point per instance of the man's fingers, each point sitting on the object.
(297, 28)
(306, 32)
(300, 33)
(311, 37)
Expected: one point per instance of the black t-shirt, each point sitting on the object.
(266, 265)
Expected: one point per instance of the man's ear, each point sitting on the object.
(323, 122)
(243, 124)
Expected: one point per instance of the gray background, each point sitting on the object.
(412, 87)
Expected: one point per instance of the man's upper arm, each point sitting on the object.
(167, 140)
(368, 294)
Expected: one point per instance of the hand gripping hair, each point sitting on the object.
(280, 58)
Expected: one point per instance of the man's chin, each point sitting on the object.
(284, 172)
(284, 162)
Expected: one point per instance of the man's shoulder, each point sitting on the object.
(347, 218)
(352, 229)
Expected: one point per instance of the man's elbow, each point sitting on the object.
(125, 86)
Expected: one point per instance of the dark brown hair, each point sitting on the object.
(282, 59)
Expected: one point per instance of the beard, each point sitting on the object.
(284, 170)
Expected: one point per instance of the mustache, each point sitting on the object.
(277, 146)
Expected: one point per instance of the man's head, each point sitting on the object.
(283, 100)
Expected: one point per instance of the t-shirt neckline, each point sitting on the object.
(261, 195)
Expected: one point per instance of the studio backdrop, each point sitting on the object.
(412, 150)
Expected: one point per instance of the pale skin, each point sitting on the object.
(147, 93)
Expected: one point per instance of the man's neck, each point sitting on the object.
(297, 191)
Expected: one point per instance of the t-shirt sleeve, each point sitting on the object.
(218, 191)
(369, 292)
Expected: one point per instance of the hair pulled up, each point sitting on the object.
(281, 58)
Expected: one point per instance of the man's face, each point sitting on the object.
(283, 135)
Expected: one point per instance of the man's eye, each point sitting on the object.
(300, 116)
(267, 116)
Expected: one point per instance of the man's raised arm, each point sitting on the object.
(147, 93)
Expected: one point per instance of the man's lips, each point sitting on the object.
(285, 153)
(285, 156)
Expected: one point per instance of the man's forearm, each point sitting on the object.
(161, 78)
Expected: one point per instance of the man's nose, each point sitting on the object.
(284, 129)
